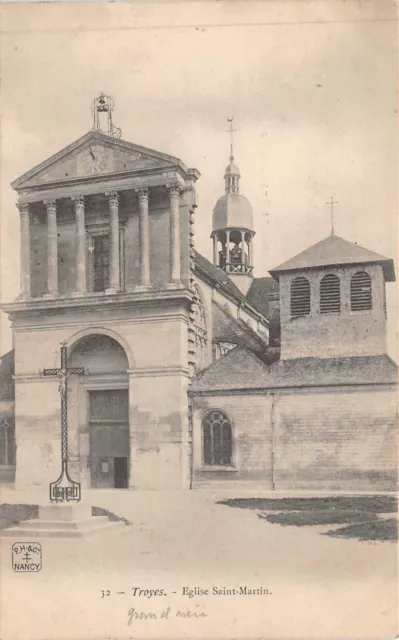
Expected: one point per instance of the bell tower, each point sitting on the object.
(232, 228)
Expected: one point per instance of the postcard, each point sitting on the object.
(198, 365)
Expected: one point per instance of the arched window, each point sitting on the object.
(300, 297)
(200, 331)
(330, 294)
(361, 294)
(217, 439)
(7, 440)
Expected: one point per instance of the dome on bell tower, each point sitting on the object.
(232, 228)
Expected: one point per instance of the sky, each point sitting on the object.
(312, 87)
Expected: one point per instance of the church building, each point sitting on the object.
(193, 374)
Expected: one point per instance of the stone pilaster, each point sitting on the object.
(79, 205)
(144, 233)
(52, 249)
(174, 194)
(113, 199)
(25, 249)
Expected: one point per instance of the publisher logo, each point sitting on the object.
(26, 556)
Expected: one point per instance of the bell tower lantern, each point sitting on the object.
(232, 228)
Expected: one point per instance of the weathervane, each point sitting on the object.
(231, 131)
(102, 108)
(332, 202)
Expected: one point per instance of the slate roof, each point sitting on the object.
(334, 251)
(6, 376)
(259, 291)
(241, 369)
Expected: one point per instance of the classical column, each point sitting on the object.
(250, 252)
(215, 250)
(144, 237)
(25, 249)
(114, 280)
(52, 257)
(228, 251)
(174, 194)
(79, 205)
(243, 251)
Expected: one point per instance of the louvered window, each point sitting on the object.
(300, 297)
(330, 294)
(361, 295)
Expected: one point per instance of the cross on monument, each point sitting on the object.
(332, 202)
(231, 131)
(64, 489)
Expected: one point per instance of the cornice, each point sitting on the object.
(92, 301)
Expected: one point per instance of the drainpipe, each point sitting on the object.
(191, 440)
(273, 425)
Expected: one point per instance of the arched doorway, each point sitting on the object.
(102, 410)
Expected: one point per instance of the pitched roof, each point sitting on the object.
(124, 156)
(240, 369)
(6, 376)
(259, 292)
(334, 251)
(226, 328)
(216, 273)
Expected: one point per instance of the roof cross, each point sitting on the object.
(332, 202)
(231, 131)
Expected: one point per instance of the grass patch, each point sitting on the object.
(359, 513)
(12, 514)
(315, 518)
(99, 511)
(383, 530)
(370, 504)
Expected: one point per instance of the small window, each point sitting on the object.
(300, 297)
(361, 295)
(330, 294)
(217, 439)
(101, 256)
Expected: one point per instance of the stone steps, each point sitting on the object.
(38, 529)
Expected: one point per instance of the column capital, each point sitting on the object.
(113, 198)
(175, 189)
(23, 208)
(143, 194)
(50, 205)
(78, 200)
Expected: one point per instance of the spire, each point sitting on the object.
(231, 131)
(232, 173)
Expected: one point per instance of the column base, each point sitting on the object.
(49, 295)
(111, 290)
(142, 287)
(78, 294)
(175, 285)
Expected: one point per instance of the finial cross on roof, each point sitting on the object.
(332, 202)
(231, 131)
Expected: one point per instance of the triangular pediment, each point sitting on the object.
(95, 155)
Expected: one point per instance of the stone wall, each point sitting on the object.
(327, 334)
(332, 439)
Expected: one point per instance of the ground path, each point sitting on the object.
(321, 587)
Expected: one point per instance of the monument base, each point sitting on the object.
(63, 521)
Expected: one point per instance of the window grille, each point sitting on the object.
(200, 331)
(300, 297)
(361, 294)
(217, 439)
(330, 294)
